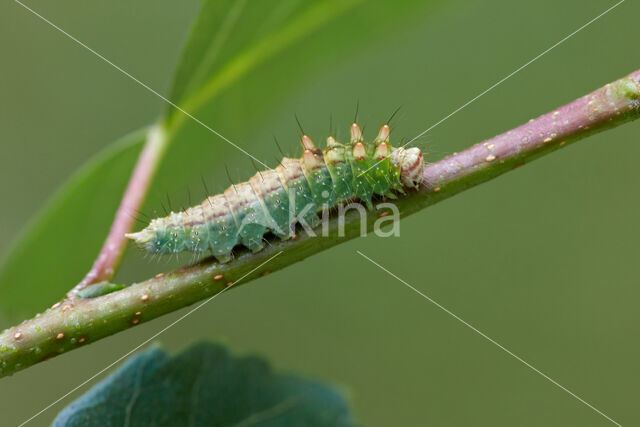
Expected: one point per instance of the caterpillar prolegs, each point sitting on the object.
(297, 190)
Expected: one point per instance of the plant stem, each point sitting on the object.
(77, 322)
(105, 264)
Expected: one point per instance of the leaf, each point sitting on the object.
(204, 385)
(231, 37)
(61, 242)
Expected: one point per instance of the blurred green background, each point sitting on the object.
(544, 260)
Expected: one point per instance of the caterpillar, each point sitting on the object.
(275, 200)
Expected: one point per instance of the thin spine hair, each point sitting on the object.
(295, 192)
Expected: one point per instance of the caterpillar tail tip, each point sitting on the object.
(141, 238)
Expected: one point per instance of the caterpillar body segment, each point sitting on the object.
(301, 201)
(296, 191)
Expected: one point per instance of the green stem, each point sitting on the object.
(81, 321)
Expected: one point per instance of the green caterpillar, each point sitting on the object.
(297, 190)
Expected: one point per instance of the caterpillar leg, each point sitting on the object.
(301, 202)
(311, 219)
(222, 258)
(274, 200)
(251, 236)
(363, 184)
(390, 195)
(222, 231)
(248, 215)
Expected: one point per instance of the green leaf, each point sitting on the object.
(204, 385)
(60, 244)
(230, 38)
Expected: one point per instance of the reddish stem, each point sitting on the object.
(104, 266)
(607, 107)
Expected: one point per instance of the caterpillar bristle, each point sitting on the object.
(169, 202)
(204, 184)
(226, 168)
(278, 145)
(355, 116)
(164, 209)
(299, 124)
(393, 114)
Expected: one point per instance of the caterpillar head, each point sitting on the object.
(411, 165)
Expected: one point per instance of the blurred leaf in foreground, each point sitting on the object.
(204, 385)
(61, 242)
